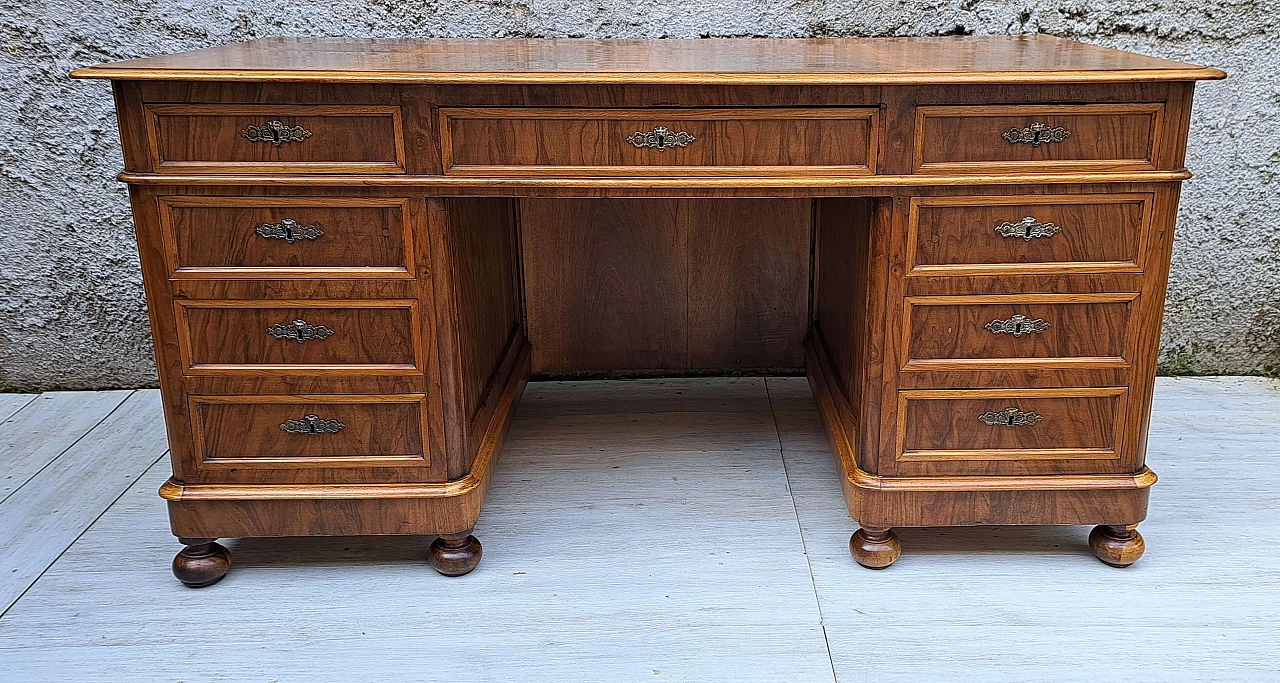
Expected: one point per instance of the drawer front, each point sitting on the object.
(273, 432)
(286, 237)
(527, 141)
(234, 138)
(301, 337)
(1017, 331)
(957, 425)
(1037, 138)
(1038, 234)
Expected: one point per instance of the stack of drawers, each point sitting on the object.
(300, 339)
(1022, 325)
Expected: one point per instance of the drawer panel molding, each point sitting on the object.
(309, 431)
(340, 337)
(1038, 138)
(1011, 424)
(970, 235)
(258, 138)
(1018, 331)
(220, 237)
(526, 141)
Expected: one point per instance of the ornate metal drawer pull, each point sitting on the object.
(299, 331)
(276, 133)
(1028, 229)
(1036, 134)
(1009, 417)
(312, 425)
(289, 230)
(661, 138)
(1017, 326)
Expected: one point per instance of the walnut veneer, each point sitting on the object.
(356, 252)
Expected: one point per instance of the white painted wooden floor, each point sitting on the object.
(660, 530)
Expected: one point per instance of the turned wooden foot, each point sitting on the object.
(454, 554)
(875, 548)
(202, 563)
(1118, 546)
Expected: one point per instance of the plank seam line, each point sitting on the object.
(804, 545)
(20, 408)
(84, 531)
(69, 446)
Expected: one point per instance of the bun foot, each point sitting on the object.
(1118, 546)
(455, 554)
(202, 563)
(875, 548)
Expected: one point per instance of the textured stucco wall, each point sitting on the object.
(71, 303)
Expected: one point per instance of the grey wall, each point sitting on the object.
(71, 304)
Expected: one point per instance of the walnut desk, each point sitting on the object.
(357, 252)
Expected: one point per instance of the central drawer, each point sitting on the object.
(656, 142)
(299, 337)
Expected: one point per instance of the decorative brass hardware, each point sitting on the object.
(299, 331)
(660, 138)
(1017, 326)
(276, 133)
(1028, 229)
(1009, 417)
(1036, 134)
(311, 425)
(289, 230)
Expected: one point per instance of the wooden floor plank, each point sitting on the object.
(41, 519)
(1031, 603)
(537, 652)
(665, 546)
(46, 427)
(12, 403)
(615, 550)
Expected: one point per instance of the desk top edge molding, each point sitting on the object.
(750, 61)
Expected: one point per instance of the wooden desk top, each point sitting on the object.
(839, 61)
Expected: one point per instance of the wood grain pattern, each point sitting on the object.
(675, 285)
(379, 336)
(485, 257)
(332, 509)
(247, 432)
(840, 280)
(924, 61)
(214, 237)
(956, 235)
(950, 332)
(628, 310)
(1105, 137)
(1074, 424)
(652, 187)
(748, 282)
(189, 138)
(969, 499)
(585, 142)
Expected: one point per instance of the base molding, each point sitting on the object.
(249, 510)
(887, 502)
